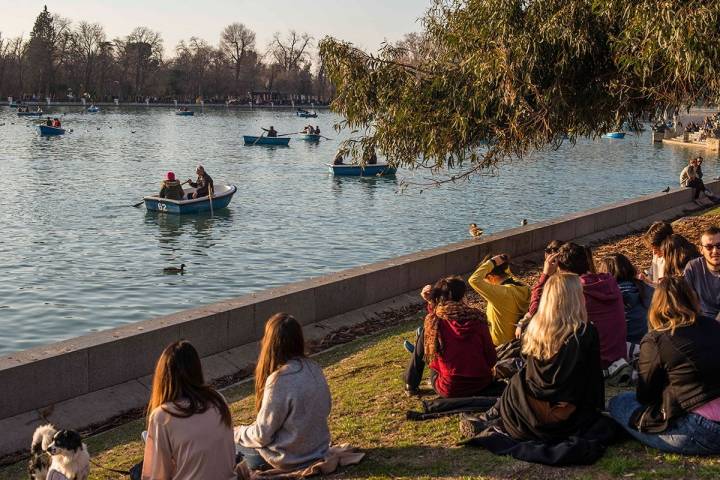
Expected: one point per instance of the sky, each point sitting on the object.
(366, 23)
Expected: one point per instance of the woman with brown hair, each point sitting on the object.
(677, 252)
(292, 402)
(676, 407)
(189, 428)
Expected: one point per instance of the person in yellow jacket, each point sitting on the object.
(507, 298)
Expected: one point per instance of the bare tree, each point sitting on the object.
(236, 41)
(88, 42)
(290, 53)
(140, 52)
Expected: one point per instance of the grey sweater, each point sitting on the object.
(291, 428)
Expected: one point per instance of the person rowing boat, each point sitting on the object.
(272, 132)
(202, 185)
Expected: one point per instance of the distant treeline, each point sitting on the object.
(66, 61)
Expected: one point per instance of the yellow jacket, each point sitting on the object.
(506, 303)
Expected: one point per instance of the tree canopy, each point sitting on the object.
(495, 79)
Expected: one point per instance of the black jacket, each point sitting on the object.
(573, 376)
(203, 182)
(678, 373)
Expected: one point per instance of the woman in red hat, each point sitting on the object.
(171, 188)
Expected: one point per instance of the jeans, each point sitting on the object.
(416, 367)
(689, 435)
(252, 458)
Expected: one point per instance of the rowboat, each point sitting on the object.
(185, 113)
(29, 114)
(362, 171)
(93, 109)
(280, 141)
(614, 135)
(306, 114)
(310, 137)
(221, 199)
(46, 130)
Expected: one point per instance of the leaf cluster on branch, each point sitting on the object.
(491, 80)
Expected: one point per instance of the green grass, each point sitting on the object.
(369, 408)
(711, 211)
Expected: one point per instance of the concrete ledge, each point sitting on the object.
(225, 332)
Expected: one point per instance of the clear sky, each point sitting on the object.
(366, 23)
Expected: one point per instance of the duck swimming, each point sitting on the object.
(175, 269)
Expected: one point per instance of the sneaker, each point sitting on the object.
(410, 391)
(470, 425)
(409, 346)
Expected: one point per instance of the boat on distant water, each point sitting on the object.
(30, 114)
(310, 137)
(614, 135)
(185, 113)
(362, 171)
(278, 141)
(220, 199)
(306, 114)
(93, 109)
(48, 131)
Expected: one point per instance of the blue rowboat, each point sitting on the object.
(93, 109)
(362, 171)
(29, 114)
(45, 130)
(306, 114)
(221, 199)
(614, 135)
(187, 113)
(281, 141)
(310, 137)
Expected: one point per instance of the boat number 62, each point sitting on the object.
(162, 207)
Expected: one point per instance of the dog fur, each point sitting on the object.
(39, 458)
(68, 455)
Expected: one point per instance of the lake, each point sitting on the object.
(76, 257)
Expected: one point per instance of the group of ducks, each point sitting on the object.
(476, 232)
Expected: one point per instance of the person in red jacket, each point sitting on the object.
(604, 303)
(455, 339)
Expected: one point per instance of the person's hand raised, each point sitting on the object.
(500, 259)
(551, 264)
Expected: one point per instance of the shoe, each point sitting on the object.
(411, 392)
(409, 346)
(470, 426)
(489, 415)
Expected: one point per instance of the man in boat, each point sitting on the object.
(371, 157)
(171, 188)
(317, 130)
(203, 184)
(338, 158)
(272, 132)
(49, 122)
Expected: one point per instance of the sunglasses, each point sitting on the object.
(712, 246)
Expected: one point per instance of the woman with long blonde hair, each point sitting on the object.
(292, 402)
(560, 391)
(189, 428)
(676, 406)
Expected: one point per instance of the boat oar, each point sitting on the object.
(286, 134)
(258, 139)
(143, 201)
(210, 195)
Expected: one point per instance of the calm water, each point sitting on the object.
(75, 257)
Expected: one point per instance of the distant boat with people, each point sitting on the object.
(310, 137)
(305, 114)
(614, 135)
(47, 130)
(30, 114)
(277, 141)
(221, 198)
(93, 109)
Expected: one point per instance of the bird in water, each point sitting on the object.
(475, 231)
(666, 190)
(524, 222)
(180, 270)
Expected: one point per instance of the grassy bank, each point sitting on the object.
(369, 408)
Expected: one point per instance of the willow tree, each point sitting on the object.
(499, 78)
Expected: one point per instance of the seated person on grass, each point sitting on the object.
(292, 402)
(507, 298)
(676, 406)
(455, 339)
(654, 238)
(560, 391)
(677, 251)
(703, 274)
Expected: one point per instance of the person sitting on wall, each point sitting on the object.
(455, 339)
(507, 298)
(676, 406)
(171, 188)
(203, 184)
(272, 133)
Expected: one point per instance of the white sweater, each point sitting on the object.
(291, 428)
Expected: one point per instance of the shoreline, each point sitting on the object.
(170, 105)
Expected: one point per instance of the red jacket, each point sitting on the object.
(465, 361)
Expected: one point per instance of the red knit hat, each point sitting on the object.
(171, 176)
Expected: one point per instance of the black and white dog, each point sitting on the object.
(58, 455)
